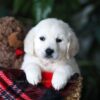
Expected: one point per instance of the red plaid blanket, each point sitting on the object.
(14, 86)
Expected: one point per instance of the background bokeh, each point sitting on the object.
(83, 16)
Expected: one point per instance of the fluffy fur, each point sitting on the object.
(12, 34)
(57, 36)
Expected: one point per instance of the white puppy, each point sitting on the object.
(50, 46)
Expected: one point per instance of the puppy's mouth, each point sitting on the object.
(51, 57)
(48, 56)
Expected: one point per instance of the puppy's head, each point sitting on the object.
(51, 39)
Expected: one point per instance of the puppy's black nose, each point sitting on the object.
(49, 51)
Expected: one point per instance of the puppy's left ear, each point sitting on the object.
(29, 42)
(73, 45)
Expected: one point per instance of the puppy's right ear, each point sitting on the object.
(29, 42)
(72, 46)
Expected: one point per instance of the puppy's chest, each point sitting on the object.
(49, 67)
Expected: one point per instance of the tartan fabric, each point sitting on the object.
(14, 86)
(9, 90)
(5, 95)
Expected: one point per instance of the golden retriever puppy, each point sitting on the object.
(50, 46)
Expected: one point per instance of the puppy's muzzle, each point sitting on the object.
(49, 52)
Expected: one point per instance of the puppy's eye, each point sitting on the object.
(42, 38)
(58, 40)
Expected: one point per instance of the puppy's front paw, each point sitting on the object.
(59, 81)
(33, 78)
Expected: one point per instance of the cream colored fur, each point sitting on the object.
(62, 62)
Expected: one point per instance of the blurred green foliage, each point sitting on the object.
(83, 16)
(38, 9)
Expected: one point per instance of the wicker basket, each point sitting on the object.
(74, 90)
